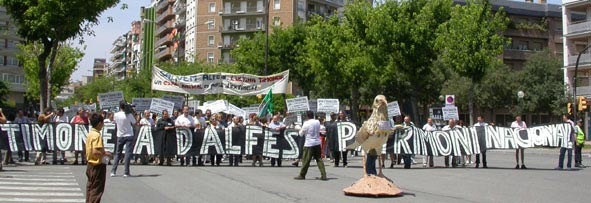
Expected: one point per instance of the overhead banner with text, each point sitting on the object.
(219, 83)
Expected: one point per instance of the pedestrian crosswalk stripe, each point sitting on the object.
(58, 194)
(39, 179)
(40, 176)
(37, 183)
(39, 200)
(22, 188)
(40, 172)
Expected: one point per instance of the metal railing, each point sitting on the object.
(585, 59)
(242, 28)
(242, 10)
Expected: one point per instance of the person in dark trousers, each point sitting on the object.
(125, 122)
(567, 150)
(169, 139)
(96, 169)
(311, 130)
(333, 139)
(579, 144)
(481, 123)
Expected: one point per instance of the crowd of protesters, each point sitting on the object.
(168, 121)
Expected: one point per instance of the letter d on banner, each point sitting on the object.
(184, 140)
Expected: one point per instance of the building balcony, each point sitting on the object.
(243, 11)
(179, 9)
(579, 28)
(575, 3)
(115, 64)
(166, 27)
(333, 3)
(166, 15)
(582, 91)
(163, 5)
(516, 54)
(227, 46)
(180, 22)
(116, 56)
(165, 40)
(529, 33)
(242, 28)
(8, 50)
(584, 60)
(163, 54)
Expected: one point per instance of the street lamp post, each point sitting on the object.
(267, 38)
(520, 95)
(575, 105)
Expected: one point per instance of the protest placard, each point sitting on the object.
(450, 112)
(141, 104)
(234, 110)
(250, 110)
(110, 100)
(298, 104)
(159, 105)
(394, 109)
(328, 106)
(216, 106)
(177, 100)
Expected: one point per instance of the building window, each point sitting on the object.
(12, 61)
(210, 40)
(212, 7)
(537, 46)
(210, 57)
(277, 4)
(211, 24)
(276, 21)
(1, 60)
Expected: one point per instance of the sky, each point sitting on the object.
(100, 45)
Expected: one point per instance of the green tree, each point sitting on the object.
(541, 80)
(66, 60)
(4, 90)
(52, 22)
(471, 41)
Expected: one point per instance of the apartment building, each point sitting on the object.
(117, 60)
(11, 72)
(576, 22)
(133, 52)
(100, 67)
(165, 24)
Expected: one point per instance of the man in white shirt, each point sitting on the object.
(519, 125)
(124, 123)
(60, 118)
(185, 120)
(276, 128)
(147, 119)
(311, 129)
(429, 127)
(481, 123)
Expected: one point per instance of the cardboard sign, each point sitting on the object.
(394, 109)
(159, 105)
(234, 110)
(177, 100)
(299, 104)
(450, 112)
(328, 105)
(216, 106)
(110, 100)
(142, 104)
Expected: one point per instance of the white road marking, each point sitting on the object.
(40, 176)
(38, 183)
(58, 194)
(39, 200)
(40, 188)
(38, 179)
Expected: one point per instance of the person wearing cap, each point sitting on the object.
(124, 124)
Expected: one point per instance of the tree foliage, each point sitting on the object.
(51, 22)
(4, 90)
(65, 64)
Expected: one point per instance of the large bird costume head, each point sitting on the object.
(375, 126)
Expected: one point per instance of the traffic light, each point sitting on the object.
(569, 108)
(582, 103)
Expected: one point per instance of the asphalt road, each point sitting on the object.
(499, 183)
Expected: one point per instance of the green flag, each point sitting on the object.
(267, 104)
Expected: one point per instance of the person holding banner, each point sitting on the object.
(429, 127)
(184, 120)
(519, 125)
(60, 118)
(451, 126)
(22, 119)
(125, 123)
(43, 119)
(564, 150)
(215, 159)
(7, 160)
(276, 128)
(481, 123)
(96, 170)
(235, 158)
(311, 130)
(82, 119)
(168, 139)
